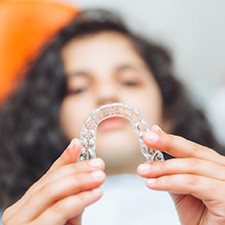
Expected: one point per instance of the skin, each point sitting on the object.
(195, 178)
(61, 195)
(105, 68)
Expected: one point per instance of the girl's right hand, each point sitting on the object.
(61, 195)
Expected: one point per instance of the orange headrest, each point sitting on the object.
(24, 27)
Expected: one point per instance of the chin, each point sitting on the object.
(116, 147)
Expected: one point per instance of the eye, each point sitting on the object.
(130, 83)
(129, 77)
(78, 85)
(76, 91)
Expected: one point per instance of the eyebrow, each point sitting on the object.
(78, 73)
(136, 67)
(119, 68)
(126, 66)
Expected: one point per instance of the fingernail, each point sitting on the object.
(95, 163)
(72, 144)
(144, 167)
(157, 129)
(151, 181)
(97, 190)
(153, 137)
(97, 174)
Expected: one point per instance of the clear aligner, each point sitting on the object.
(88, 133)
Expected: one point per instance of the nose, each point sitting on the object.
(107, 92)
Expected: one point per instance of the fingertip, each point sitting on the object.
(97, 191)
(151, 137)
(72, 151)
(69, 155)
(143, 168)
(156, 129)
(151, 182)
(97, 163)
(74, 142)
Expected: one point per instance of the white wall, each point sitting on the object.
(195, 31)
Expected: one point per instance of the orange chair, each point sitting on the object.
(24, 27)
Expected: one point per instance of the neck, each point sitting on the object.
(122, 169)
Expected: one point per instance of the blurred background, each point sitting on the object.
(193, 31)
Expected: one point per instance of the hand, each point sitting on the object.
(195, 179)
(61, 195)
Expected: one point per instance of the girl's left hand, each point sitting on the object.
(195, 178)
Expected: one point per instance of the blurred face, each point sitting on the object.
(105, 68)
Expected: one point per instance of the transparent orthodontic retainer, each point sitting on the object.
(88, 133)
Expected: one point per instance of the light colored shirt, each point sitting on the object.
(1, 211)
(127, 200)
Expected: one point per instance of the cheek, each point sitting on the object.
(149, 103)
(72, 115)
(153, 108)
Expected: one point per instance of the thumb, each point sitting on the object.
(70, 155)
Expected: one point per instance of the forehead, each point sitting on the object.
(101, 49)
(99, 39)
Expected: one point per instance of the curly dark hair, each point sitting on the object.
(30, 134)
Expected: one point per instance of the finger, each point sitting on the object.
(203, 188)
(72, 169)
(182, 166)
(180, 147)
(68, 170)
(58, 190)
(68, 208)
(70, 155)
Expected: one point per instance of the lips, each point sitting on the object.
(112, 124)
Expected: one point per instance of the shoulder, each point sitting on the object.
(1, 211)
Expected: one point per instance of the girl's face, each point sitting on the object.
(105, 68)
